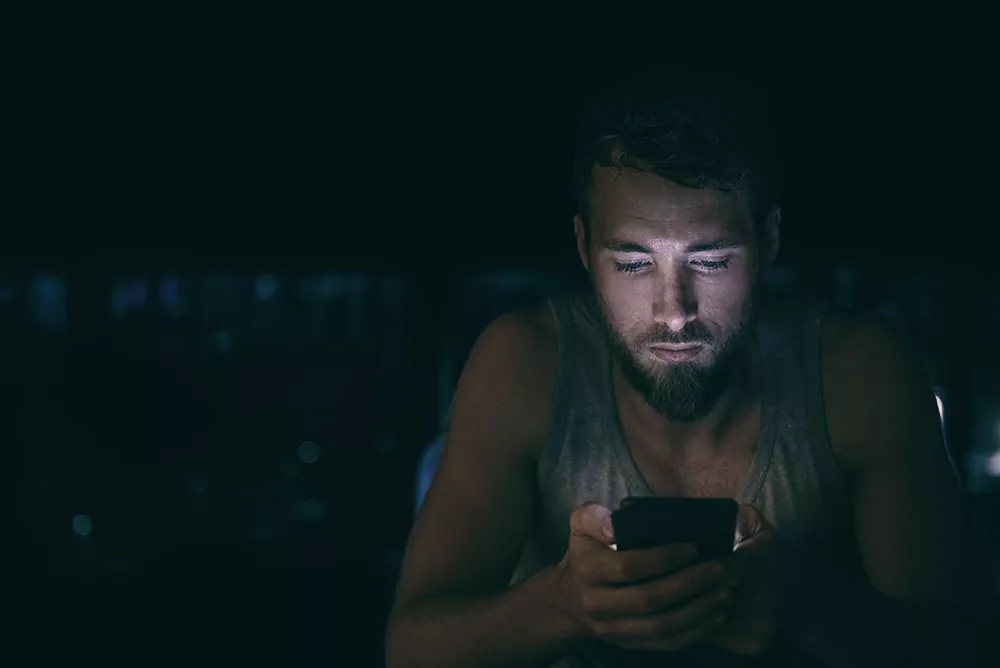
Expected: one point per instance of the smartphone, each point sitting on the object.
(645, 522)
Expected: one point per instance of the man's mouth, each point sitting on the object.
(677, 346)
(676, 352)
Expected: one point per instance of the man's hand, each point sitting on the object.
(657, 599)
(753, 621)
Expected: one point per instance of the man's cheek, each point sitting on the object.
(623, 309)
(630, 303)
(725, 307)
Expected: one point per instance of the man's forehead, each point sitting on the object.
(626, 200)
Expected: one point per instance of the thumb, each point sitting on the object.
(749, 523)
(593, 521)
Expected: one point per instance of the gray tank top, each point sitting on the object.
(794, 478)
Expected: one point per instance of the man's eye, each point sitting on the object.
(712, 265)
(630, 267)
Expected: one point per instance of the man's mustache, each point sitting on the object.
(689, 334)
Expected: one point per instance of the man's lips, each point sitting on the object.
(677, 346)
(676, 352)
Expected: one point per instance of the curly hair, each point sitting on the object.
(695, 130)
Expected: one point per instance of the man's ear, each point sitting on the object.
(771, 237)
(582, 248)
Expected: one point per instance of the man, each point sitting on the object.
(677, 377)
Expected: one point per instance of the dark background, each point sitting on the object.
(249, 268)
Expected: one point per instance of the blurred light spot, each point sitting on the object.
(289, 468)
(170, 296)
(138, 293)
(993, 465)
(119, 300)
(267, 287)
(48, 301)
(129, 294)
(82, 525)
(940, 405)
(170, 289)
(385, 442)
(309, 452)
(198, 483)
(327, 286)
(223, 342)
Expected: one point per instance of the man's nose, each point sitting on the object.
(675, 304)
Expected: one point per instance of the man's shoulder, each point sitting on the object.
(537, 322)
(872, 376)
(521, 350)
(508, 383)
(850, 334)
(525, 335)
(844, 330)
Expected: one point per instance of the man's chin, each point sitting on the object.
(660, 373)
(683, 392)
(682, 404)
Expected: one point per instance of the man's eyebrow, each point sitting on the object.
(714, 245)
(699, 247)
(625, 247)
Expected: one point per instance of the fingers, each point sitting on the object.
(739, 567)
(669, 630)
(592, 521)
(607, 567)
(656, 595)
(678, 641)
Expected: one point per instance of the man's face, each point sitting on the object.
(675, 271)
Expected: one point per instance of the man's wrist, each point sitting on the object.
(549, 581)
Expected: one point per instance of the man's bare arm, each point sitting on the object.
(929, 577)
(912, 526)
(453, 605)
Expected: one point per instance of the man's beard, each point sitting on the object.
(685, 391)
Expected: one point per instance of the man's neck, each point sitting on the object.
(703, 436)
